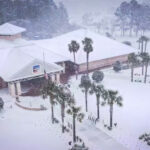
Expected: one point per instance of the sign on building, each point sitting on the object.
(36, 69)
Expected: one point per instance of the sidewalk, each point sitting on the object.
(97, 139)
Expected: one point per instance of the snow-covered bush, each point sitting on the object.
(127, 43)
(146, 138)
(1, 103)
(43, 107)
(98, 76)
(117, 66)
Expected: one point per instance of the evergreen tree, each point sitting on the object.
(122, 15)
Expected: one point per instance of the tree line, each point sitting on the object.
(141, 59)
(133, 17)
(41, 18)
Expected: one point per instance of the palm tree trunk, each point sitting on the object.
(74, 128)
(52, 110)
(139, 45)
(145, 78)
(111, 115)
(132, 72)
(62, 116)
(145, 46)
(86, 99)
(98, 107)
(142, 68)
(142, 47)
(87, 59)
(75, 66)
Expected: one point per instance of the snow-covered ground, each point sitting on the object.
(132, 118)
(22, 129)
(27, 130)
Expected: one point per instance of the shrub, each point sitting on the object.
(117, 66)
(127, 43)
(1, 103)
(98, 76)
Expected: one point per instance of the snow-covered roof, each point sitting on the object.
(103, 47)
(10, 29)
(4, 44)
(15, 61)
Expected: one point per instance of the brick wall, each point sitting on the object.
(102, 63)
(3, 84)
(10, 37)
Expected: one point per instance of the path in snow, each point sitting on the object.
(97, 138)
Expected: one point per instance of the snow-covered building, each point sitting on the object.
(10, 32)
(22, 60)
(106, 51)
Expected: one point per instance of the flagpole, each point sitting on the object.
(44, 61)
(45, 73)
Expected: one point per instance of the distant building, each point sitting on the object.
(105, 50)
(10, 32)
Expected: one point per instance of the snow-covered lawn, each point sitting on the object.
(28, 130)
(132, 118)
(22, 129)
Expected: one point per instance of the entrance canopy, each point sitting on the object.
(26, 62)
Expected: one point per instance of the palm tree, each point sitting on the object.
(139, 43)
(88, 48)
(98, 90)
(146, 60)
(76, 114)
(51, 90)
(143, 39)
(132, 59)
(85, 86)
(143, 57)
(111, 97)
(64, 98)
(146, 42)
(73, 48)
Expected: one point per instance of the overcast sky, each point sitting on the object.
(77, 8)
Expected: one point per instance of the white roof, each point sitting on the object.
(5, 44)
(36, 51)
(103, 47)
(14, 61)
(10, 29)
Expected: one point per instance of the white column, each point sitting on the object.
(64, 67)
(18, 86)
(53, 77)
(58, 77)
(11, 87)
